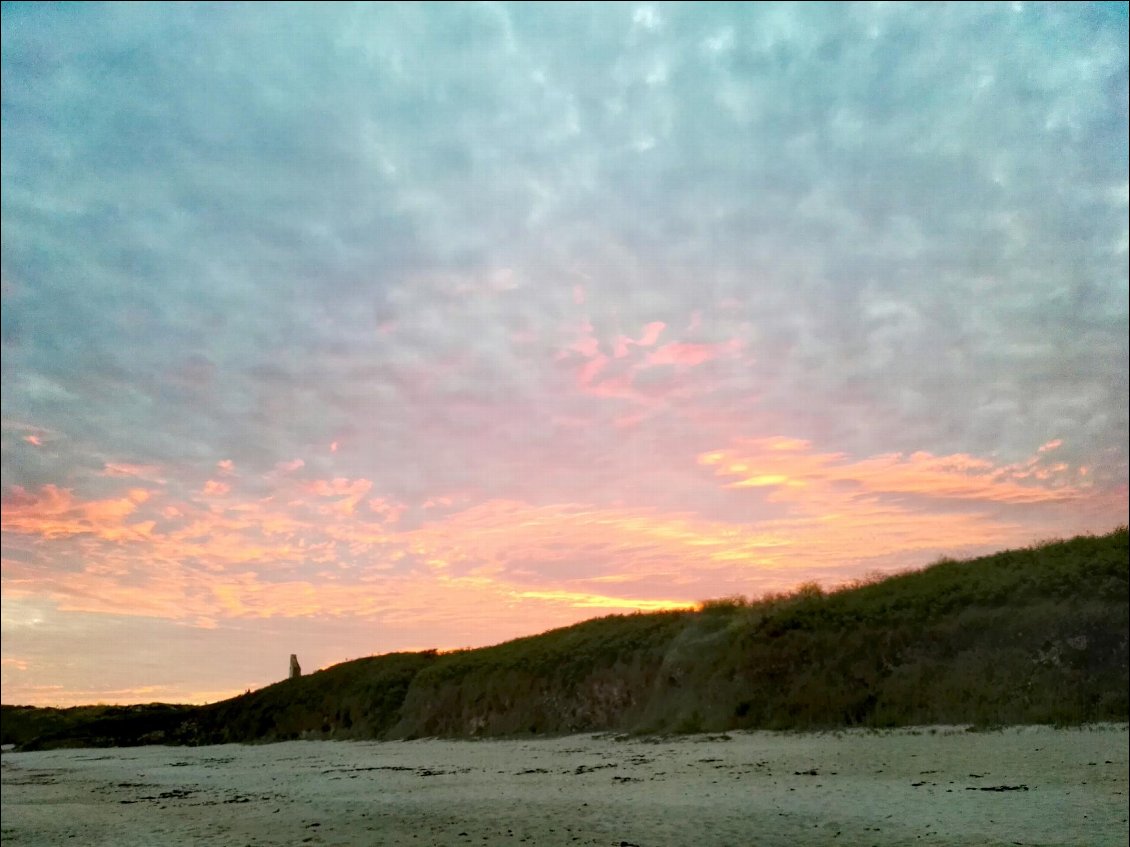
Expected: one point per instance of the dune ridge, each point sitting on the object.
(1028, 636)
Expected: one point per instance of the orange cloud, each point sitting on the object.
(55, 513)
(796, 473)
(507, 567)
(215, 488)
(235, 547)
(351, 492)
(391, 512)
(580, 600)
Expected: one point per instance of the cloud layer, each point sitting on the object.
(459, 321)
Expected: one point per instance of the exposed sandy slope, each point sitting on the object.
(899, 787)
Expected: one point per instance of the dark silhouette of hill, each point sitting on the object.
(1033, 635)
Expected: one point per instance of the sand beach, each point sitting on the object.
(939, 786)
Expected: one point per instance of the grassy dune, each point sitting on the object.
(1034, 635)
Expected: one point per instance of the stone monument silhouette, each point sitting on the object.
(295, 668)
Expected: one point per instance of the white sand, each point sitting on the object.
(854, 788)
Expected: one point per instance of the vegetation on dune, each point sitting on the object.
(89, 726)
(1035, 635)
(358, 699)
(582, 676)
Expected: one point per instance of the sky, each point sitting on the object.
(340, 330)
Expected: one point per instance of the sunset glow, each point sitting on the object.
(400, 327)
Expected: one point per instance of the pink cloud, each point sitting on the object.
(630, 421)
(126, 469)
(680, 353)
(613, 386)
(624, 373)
(591, 369)
(587, 346)
(651, 333)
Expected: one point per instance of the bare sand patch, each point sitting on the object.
(935, 786)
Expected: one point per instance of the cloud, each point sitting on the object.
(296, 274)
(149, 473)
(813, 307)
(791, 468)
(787, 510)
(215, 488)
(55, 513)
(692, 354)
